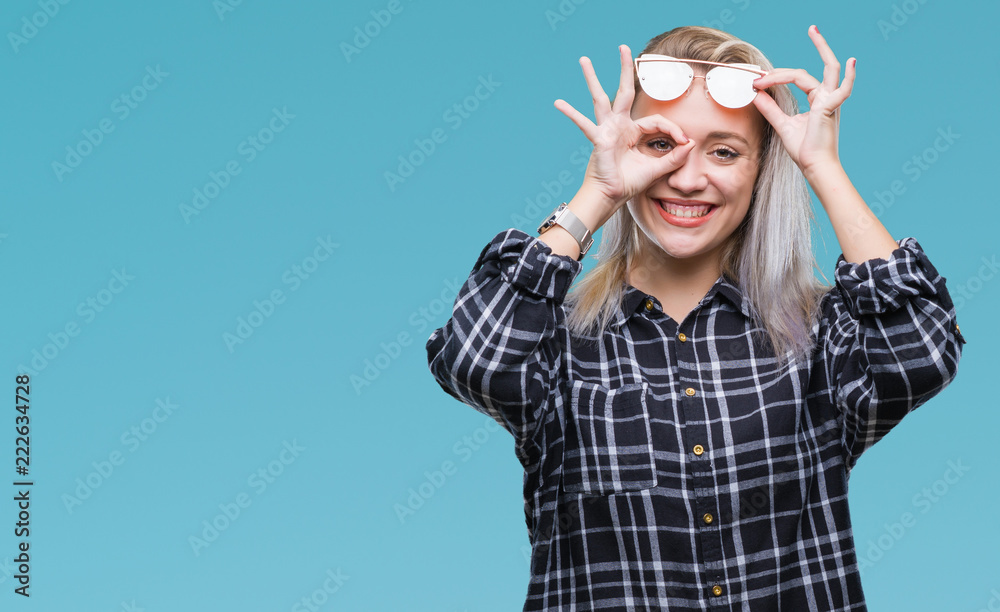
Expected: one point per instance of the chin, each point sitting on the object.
(683, 249)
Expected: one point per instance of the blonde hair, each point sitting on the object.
(769, 256)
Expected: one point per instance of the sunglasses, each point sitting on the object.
(665, 78)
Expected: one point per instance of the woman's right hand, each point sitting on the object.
(618, 170)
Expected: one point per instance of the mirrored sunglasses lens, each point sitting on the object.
(731, 87)
(664, 80)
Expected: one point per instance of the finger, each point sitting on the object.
(770, 110)
(672, 160)
(842, 93)
(602, 105)
(626, 88)
(585, 124)
(652, 124)
(831, 67)
(847, 86)
(802, 79)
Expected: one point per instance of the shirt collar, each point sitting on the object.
(633, 301)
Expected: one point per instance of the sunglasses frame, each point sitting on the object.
(652, 57)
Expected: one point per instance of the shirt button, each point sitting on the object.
(689, 392)
(699, 449)
(716, 590)
(707, 518)
(649, 304)
(682, 337)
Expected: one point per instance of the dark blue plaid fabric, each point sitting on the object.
(676, 466)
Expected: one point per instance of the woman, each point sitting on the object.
(688, 416)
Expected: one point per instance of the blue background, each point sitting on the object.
(399, 250)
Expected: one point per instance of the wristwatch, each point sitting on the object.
(564, 217)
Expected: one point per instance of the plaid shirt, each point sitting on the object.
(675, 466)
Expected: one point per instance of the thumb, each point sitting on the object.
(770, 110)
(674, 159)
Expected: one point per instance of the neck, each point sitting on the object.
(679, 283)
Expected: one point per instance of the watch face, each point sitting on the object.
(550, 221)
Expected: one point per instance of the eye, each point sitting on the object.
(663, 145)
(727, 153)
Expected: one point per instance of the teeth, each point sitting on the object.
(686, 211)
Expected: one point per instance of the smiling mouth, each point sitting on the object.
(686, 211)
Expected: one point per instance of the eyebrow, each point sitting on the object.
(725, 135)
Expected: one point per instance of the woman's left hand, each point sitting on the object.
(810, 138)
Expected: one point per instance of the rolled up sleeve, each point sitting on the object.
(501, 350)
(892, 342)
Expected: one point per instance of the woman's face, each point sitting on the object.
(717, 176)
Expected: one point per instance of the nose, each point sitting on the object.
(691, 176)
